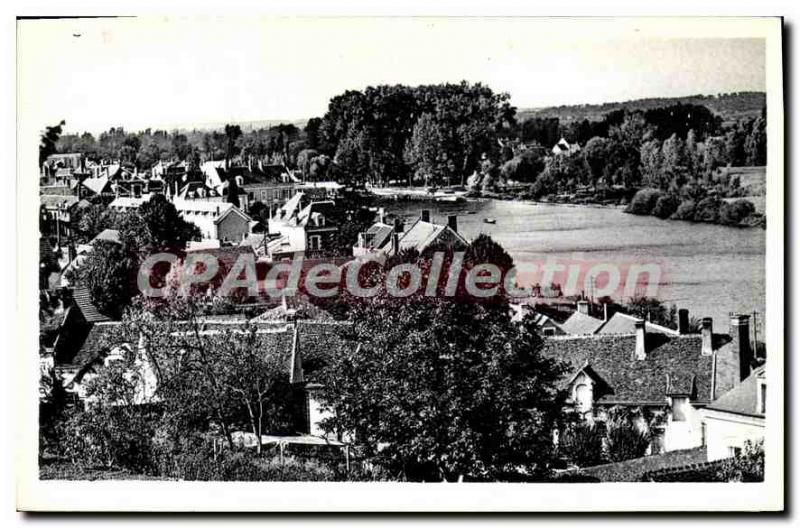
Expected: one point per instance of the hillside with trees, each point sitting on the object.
(730, 106)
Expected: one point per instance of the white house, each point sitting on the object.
(736, 417)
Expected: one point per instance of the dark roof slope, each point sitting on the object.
(672, 362)
(634, 470)
(83, 300)
(742, 399)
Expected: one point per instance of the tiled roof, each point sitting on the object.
(83, 300)
(225, 256)
(58, 200)
(581, 324)
(381, 234)
(676, 361)
(318, 341)
(96, 185)
(621, 323)
(633, 470)
(97, 343)
(742, 399)
(107, 235)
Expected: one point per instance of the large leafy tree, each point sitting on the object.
(48, 141)
(443, 387)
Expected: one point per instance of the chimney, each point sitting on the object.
(398, 225)
(683, 321)
(426, 215)
(381, 214)
(641, 335)
(395, 243)
(583, 306)
(740, 343)
(708, 341)
(605, 311)
(452, 222)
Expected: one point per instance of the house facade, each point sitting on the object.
(221, 221)
(737, 417)
(671, 376)
(420, 235)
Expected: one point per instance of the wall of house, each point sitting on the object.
(233, 228)
(315, 414)
(726, 431)
(683, 434)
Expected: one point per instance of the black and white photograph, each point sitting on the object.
(448, 263)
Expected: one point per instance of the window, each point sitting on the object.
(583, 397)
(549, 331)
(734, 451)
(762, 397)
(315, 242)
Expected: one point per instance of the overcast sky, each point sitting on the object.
(162, 73)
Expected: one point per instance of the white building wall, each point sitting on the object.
(727, 431)
(684, 434)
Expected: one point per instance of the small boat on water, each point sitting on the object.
(489, 221)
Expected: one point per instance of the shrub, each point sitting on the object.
(747, 466)
(707, 210)
(628, 436)
(735, 212)
(685, 211)
(582, 444)
(644, 201)
(666, 205)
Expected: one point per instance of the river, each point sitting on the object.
(711, 270)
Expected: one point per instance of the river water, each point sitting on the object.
(711, 270)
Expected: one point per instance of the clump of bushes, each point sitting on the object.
(685, 211)
(644, 201)
(707, 210)
(666, 205)
(734, 213)
(628, 434)
(695, 208)
(747, 466)
(582, 444)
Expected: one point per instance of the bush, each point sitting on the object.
(735, 212)
(582, 444)
(707, 210)
(685, 211)
(627, 437)
(748, 466)
(644, 201)
(666, 205)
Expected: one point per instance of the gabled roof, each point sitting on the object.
(581, 324)
(97, 343)
(635, 381)
(422, 235)
(381, 234)
(232, 210)
(96, 185)
(742, 399)
(106, 235)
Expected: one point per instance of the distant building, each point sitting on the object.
(564, 147)
(222, 221)
(301, 227)
(419, 236)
